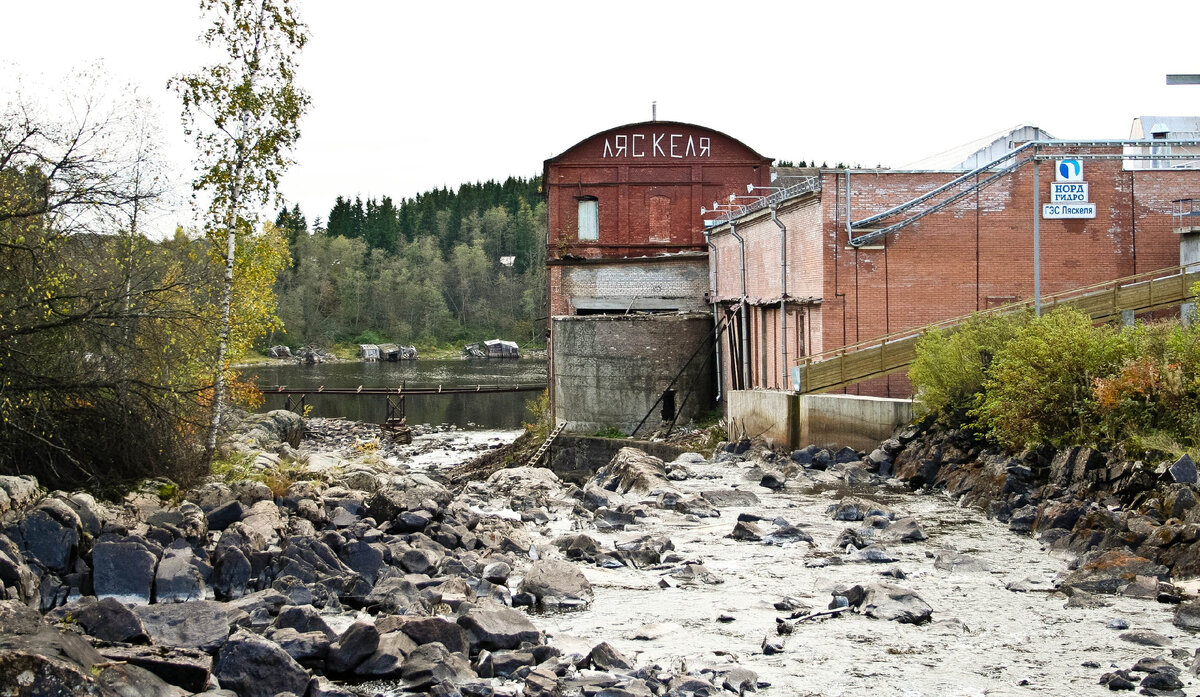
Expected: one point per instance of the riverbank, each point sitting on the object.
(364, 572)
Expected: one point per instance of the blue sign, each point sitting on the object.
(1069, 171)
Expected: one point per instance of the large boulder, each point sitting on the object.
(199, 624)
(557, 584)
(498, 628)
(633, 470)
(270, 430)
(51, 534)
(104, 619)
(255, 667)
(1111, 571)
(180, 575)
(431, 664)
(406, 492)
(532, 485)
(124, 569)
(885, 601)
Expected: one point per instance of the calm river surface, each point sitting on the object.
(495, 411)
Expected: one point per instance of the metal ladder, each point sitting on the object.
(537, 457)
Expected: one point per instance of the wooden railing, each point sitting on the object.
(853, 363)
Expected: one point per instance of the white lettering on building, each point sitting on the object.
(674, 145)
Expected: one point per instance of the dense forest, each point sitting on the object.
(441, 268)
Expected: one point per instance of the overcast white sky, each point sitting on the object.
(407, 96)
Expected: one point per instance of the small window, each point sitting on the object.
(589, 218)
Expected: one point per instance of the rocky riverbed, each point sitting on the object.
(364, 573)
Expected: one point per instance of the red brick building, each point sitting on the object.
(627, 244)
(841, 281)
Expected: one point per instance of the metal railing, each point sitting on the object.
(891, 353)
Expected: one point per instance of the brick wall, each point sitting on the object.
(976, 253)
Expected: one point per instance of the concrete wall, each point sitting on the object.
(679, 284)
(609, 370)
(789, 420)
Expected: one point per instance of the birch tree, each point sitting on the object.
(242, 115)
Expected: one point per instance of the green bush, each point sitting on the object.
(950, 366)
(369, 336)
(1039, 387)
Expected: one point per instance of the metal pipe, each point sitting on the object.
(782, 296)
(1037, 240)
(713, 277)
(745, 348)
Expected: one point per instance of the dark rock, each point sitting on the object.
(1118, 680)
(872, 554)
(303, 618)
(853, 508)
(578, 547)
(428, 630)
(394, 596)
(124, 570)
(359, 641)
(740, 680)
(604, 656)
(1187, 615)
(1023, 519)
(498, 628)
(1112, 570)
(1162, 681)
(105, 619)
(505, 663)
(431, 664)
(787, 534)
(51, 533)
(1151, 664)
(199, 624)
(845, 456)
(305, 647)
(888, 602)
(1184, 470)
(746, 532)
(905, 530)
(772, 645)
(231, 575)
(389, 657)
(557, 583)
(179, 576)
(255, 667)
(186, 668)
(225, 515)
(773, 479)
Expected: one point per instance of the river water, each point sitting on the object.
(492, 411)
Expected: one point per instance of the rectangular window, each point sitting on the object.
(589, 218)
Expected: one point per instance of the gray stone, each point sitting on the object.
(51, 533)
(359, 641)
(124, 570)
(104, 619)
(199, 624)
(557, 583)
(255, 667)
(303, 618)
(773, 479)
(498, 628)
(305, 647)
(605, 656)
(179, 576)
(633, 470)
(429, 630)
(431, 664)
(853, 508)
(727, 498)
(1184, 470)
(746, 532)
(1145, 637)
(389, 657)
(888, 602)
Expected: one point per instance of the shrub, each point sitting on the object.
(1040, 385)
(950, 366)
